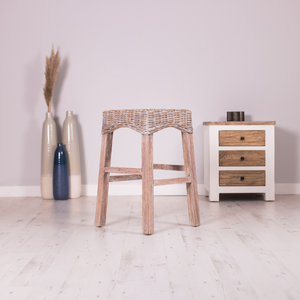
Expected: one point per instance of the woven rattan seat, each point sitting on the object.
(147, 122)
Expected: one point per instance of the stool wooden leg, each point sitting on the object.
(190, 169)
(103, 181)
(147, 183)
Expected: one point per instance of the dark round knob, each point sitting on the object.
(242, 158)
(242, 178)
(242, 138)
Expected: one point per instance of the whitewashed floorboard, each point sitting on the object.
(244, 249)
(16, 293)
(143, 271)
(181, 280)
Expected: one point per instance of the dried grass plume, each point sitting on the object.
(51, 71)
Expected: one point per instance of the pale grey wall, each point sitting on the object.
(207, 56)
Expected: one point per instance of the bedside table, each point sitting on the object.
(239, 158)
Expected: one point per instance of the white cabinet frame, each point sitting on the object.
(211, 160)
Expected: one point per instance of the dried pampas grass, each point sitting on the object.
(51, 71)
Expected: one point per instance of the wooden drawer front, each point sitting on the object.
(242, 178)
(241, 138)
(242, 158)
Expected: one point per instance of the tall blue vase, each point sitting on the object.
(60, 174)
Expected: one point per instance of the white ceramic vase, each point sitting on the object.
(49, 143)
(71, 144)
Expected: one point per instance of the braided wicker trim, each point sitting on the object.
(147, 121)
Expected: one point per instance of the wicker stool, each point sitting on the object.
(146, 122)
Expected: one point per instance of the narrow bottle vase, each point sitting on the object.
(49, 143)
(60, 174)
(71, 144)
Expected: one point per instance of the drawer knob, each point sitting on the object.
(242, 138)
(242, 178)
(242, 158)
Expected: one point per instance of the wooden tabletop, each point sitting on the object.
(241, 123)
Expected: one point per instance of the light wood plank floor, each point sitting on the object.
(244, 249)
